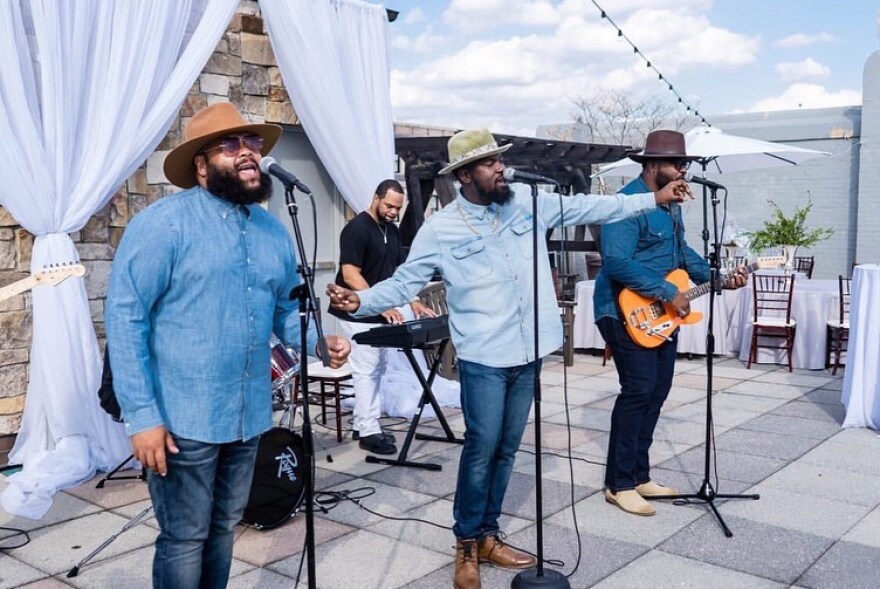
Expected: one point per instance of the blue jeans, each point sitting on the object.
(495, 403)
(197, 504)
(645, 376)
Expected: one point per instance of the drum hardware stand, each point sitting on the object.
(426, 397)
(538, 576)
(707, 493)
(142, 516)
(308, 307)
(111, 476)
(288, 414)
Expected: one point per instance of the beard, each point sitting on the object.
(226, 184)
(663, 179)
(498, 196)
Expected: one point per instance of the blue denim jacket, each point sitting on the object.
(485, 257)
(197, 287)
(639, 252)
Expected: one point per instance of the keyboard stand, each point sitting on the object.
(426, 397)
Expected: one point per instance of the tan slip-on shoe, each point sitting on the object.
(467, 565)
(652, 489)
(630, 501)
(494, 551)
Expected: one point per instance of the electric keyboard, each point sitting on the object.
(410, 334)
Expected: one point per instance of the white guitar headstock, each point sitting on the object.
(56, 273)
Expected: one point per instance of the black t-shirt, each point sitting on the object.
(375, 249)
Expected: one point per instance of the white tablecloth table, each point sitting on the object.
(691, 339)
(813, 304)
(861, 380)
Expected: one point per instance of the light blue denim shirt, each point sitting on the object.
(639, 252)
(485, 257)
(197, 287)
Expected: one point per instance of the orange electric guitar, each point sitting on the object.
(48, 276)
(650, 322)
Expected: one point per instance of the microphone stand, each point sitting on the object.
(308, 306)
(707, 493)
(538, 577)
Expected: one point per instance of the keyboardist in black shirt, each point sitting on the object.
(370, 251)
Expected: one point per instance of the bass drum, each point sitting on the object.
(279, 480)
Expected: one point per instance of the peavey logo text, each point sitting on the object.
(287, 464)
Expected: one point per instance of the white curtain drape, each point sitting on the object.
(333, 57)
(89, 89)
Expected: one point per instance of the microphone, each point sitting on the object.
(512, 175)
(268, 165)
(704, 182)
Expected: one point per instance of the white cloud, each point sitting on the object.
(413, 16)
(519, 82)
(425, 42)
(693, 40)
(618, 8)
(484, 14)
(793, 71)
(808, 96)
(802, 40)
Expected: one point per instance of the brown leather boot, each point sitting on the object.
(494, 551)
(467, 565)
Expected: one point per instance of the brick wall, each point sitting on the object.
(242, 70)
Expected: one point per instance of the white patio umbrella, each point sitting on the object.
(721, 153)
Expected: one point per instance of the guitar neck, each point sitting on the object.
(701, 289)
(16, 288)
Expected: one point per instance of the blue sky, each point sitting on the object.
(514, 64)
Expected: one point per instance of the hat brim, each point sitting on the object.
(474, 158)
(179, 167)
(637, 156)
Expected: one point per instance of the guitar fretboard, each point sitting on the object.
(700, 290)
(16, 288)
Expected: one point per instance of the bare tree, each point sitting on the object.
(616, 116)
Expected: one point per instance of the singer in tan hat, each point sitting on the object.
(482, 246)
(200, 282)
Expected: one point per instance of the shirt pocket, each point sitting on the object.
(468, 265)
(658, 243)
(522, 235)
(658, 230)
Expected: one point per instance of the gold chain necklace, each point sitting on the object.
(496, 222)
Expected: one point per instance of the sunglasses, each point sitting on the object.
(230, 146)
(679, 164)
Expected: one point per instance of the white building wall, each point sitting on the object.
(830, 182)
(868, 220)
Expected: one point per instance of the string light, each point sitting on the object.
(648, 64)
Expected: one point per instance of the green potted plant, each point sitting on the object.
(788, 233)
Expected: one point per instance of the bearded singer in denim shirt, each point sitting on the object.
(482, 246)
(638, 253)
(200, 281)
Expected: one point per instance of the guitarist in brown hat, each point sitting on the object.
(638, 253)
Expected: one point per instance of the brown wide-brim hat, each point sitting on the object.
(206, 125)
(663, 145)
(469, 146)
